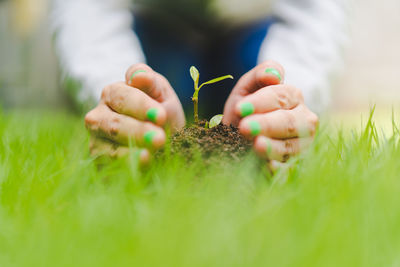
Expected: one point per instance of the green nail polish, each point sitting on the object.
(246, 109)
(148, 137)
(268, 150)
(137, 72)
(274, 72)
(255, 128)
(152, 114)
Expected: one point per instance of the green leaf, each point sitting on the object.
(195, 76)
(217, 80)
(215, 121)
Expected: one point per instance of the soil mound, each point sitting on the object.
(221, 141)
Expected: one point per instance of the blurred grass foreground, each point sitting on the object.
(336, 206)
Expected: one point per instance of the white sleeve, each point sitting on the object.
(307, 40)
(95, 42)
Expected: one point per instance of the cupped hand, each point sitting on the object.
(271, 113)
(134, 114)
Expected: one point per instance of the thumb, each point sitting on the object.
(265, 74)
(144, 78)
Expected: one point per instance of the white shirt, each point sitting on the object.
(96, 44)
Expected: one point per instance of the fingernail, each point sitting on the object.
(246, 109)
(136, 152)
(152, 114)
(255, 128)
(274, 72)
(268, 149)
(137, 72)
(141, 152)
(149, 137)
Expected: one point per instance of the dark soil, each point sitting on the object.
(221, 141)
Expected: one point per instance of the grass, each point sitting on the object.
(336, 206)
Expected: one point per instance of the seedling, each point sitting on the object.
(195, 98)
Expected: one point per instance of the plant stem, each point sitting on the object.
(196, 109)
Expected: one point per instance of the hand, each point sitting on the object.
(134, 113)
(271, 113)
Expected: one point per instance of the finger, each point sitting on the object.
(280, 150)
(280, 124)
(265, 74)
(275, 166)
(157, 87)
(106, 149)
(269, 99)
(132, 102)
(124, 130)
(102, 147)
(99, 147)
(145, 79)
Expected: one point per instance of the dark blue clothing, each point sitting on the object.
(172, 46)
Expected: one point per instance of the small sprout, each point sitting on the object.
(194, 73)
(216, 120)
(195, 76)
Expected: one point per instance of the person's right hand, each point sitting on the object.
(133, 113)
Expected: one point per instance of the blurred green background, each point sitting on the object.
(29, 75)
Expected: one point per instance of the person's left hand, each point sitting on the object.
(271, 113)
